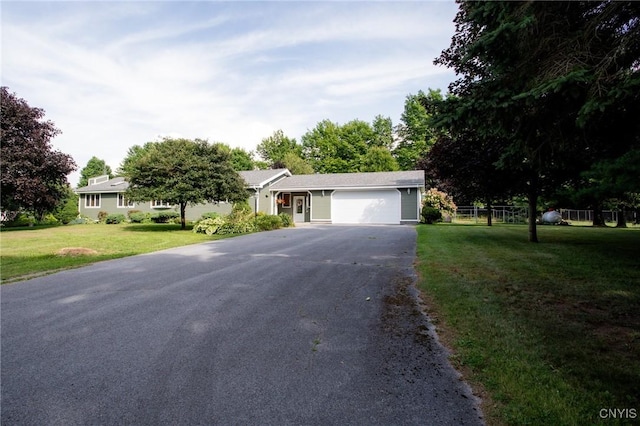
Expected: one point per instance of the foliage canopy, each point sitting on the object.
(183, 172)
(33, 174)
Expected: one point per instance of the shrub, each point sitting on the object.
(113, 219)
(68, 211)
(165, 217)
(130, 212)
(102, 216)
(265, 222)
(48, 219)
(81, 220)
(431, 215)
(239, 227)
(209, 226)
(22, 219)
(287, 220)
(138, 217)
(209, 215)
(239, 221)
(439, 200)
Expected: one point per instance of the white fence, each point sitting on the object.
(504, 214)
(512, 214)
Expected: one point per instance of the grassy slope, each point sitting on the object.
(551, 331)
(32, 251)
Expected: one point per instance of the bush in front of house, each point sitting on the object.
(287, 221)
(137, 217)
(209, 226)
(114, 219)
(209, 215)
(430, 215)
(102, 216)
(82, 220)
(165, 217)
(267, 222)
(20, 220)
(239, 221)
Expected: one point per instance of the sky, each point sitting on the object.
(111, 75)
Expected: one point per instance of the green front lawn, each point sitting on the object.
(548, 333)
(28, 252)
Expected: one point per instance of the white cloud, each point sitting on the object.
(115, 74)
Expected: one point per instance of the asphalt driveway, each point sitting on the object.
(313, 325)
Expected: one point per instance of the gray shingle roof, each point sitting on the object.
(252, 177)
(261, 177)
(412, 178)
(112, 185)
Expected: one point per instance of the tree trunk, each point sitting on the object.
(622, 220)
(183, 220)
(598, 217)
(533, 213)
(489, 213)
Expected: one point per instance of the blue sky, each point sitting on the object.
(115, 74)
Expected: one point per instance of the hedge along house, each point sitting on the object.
(351, 198)
(108, 195)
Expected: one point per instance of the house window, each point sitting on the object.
(123, 202)
(286, 200)
(92, 200)
(159, 204)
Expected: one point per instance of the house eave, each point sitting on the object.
(346, 188)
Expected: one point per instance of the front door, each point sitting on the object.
(298, 208)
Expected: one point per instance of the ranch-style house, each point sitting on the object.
(341, 198)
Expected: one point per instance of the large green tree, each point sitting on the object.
(295, 164)
(33, 176)
(352, 147)
(95, 167)
(240, 158)
(134, 153)
(378, 159)
(465, 167)
(536, 74)
(382, 132)
(183, 172)
(415, 132)
(324, 149)
(274, 148)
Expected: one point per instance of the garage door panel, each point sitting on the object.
(377, 206)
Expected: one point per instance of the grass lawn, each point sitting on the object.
(547, 333)
(28, 252)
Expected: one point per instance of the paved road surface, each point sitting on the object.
(314, 325)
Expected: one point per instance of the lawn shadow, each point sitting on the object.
(27, 228)
(156, 227)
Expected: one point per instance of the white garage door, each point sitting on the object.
(375, 206)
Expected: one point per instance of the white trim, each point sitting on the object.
(269, 181)
(162, 205)
(302, 198)
(343, 188)
(86, 199)
(97, 180)
(123, 206)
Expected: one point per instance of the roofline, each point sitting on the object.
(333, 188)
(263, 183)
